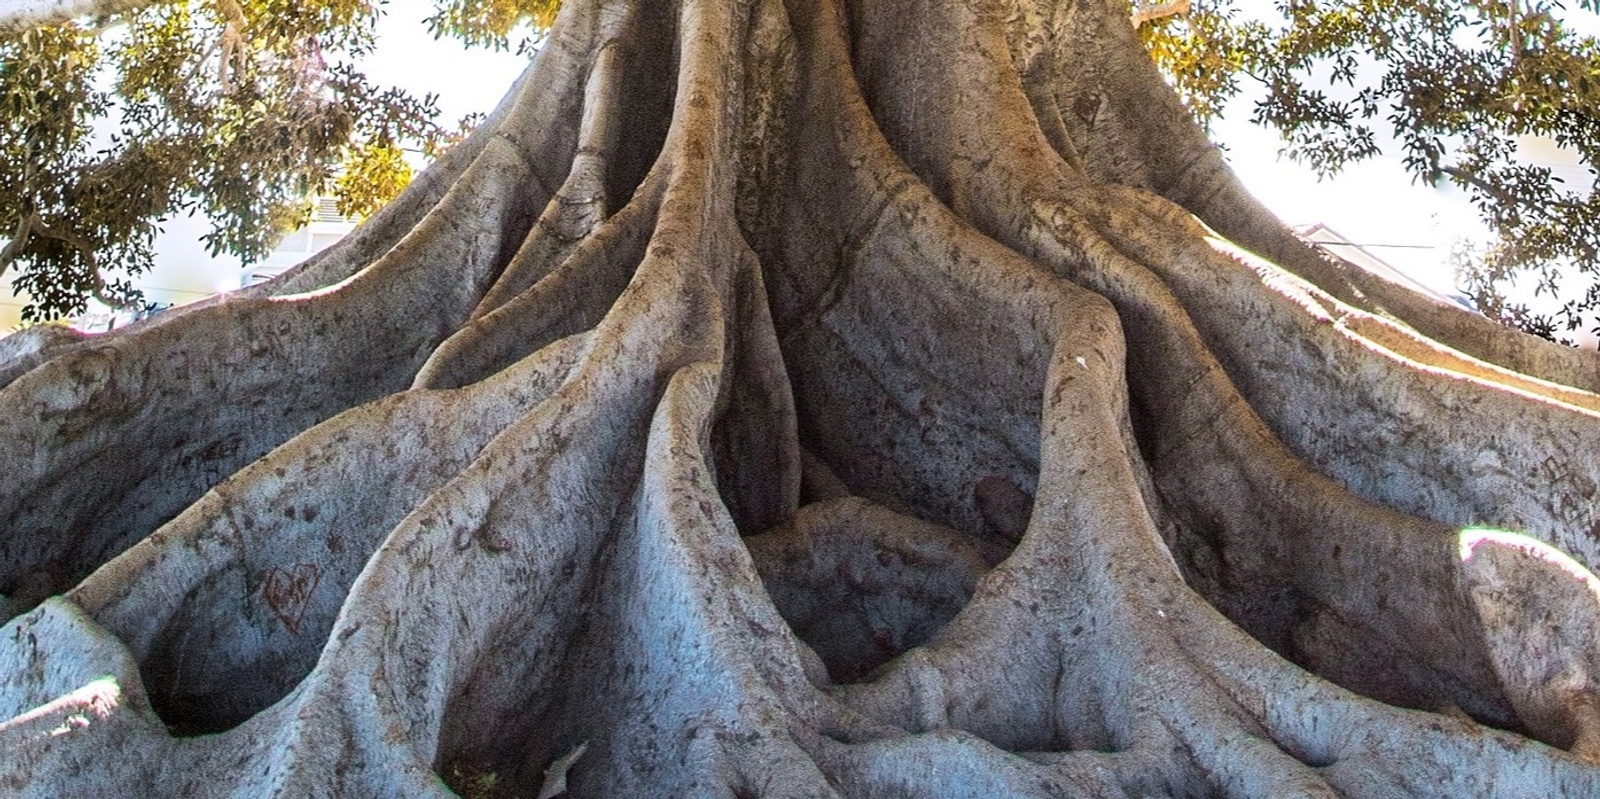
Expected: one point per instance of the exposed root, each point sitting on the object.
(252, 576)
(1191, 397)
(25, 349)
(1348, 391)
(1213, 193)
(581, 202)
(1456, 440)
(492, 518)
(1103, 107)
(182, 404)
(572, 297)
(526, 509)
(1333, 560)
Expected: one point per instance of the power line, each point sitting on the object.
(1392, 246)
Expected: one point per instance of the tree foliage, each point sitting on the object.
(492, 23)
(1457, 83)
(236, 109)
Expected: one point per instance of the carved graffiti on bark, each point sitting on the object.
(288, 591)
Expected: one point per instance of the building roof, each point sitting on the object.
(1337, 244)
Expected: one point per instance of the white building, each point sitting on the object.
(1358, 254)
(184, 271)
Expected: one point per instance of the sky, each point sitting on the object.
(466, 81)
(1374, 203)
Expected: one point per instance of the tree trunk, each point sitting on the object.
(788, 398)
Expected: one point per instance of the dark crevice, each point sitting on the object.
(861, 584)
(648, 91)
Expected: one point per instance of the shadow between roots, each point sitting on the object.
(861, 584)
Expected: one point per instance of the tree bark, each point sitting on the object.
(806, 398)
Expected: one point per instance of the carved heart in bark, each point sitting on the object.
(288, 591)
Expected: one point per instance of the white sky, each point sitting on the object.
(1374, 203)
(466, 80)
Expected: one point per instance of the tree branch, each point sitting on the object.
(1471, 179)
(84, 248)
(18, 240)
(1147, 11)
(231, 62)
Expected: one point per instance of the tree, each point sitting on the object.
(1455, 85)
(236, 108)
(790, 398)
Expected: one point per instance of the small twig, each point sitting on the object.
(555, 777)
(1513, 31)
(84, 248)
(1471, 179)
(232, 60)
(19, 240)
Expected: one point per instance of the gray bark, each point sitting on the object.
(807, 398)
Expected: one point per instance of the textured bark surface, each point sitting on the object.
(807, 398)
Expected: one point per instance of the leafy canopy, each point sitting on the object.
(238, 109)
(1455, 82)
